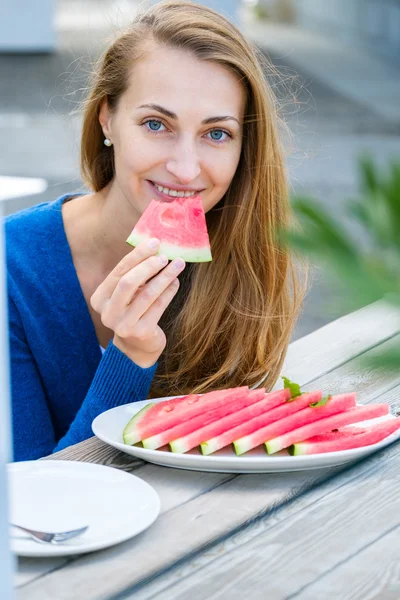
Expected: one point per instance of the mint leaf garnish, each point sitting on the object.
(321, 402)
(294, 388)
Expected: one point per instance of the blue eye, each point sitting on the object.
(153, 124)
(216, 135)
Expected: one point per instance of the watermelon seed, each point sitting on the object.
(168, 408)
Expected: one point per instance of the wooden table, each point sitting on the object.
(324, 534)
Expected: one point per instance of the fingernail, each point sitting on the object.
(178, 263)
(153, 243)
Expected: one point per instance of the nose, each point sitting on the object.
(184, 163)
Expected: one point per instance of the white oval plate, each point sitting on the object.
(56, 495)
(109, 426)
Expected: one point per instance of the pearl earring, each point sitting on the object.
(107, 142)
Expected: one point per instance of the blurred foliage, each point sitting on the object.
(261, 12)
(364, 270)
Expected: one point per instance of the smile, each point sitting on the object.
(175, 193)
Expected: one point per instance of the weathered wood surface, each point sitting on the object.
(199, 509)
(320, 546)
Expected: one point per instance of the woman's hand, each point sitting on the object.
(131, 305)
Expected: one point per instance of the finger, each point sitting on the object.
(128, 286)
(153, 289)
(135, 257)
(114, 308)
(149, 321)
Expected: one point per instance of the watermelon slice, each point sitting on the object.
(180, 225)
(334, 405)
(157, 417)
(349, 416)
(251, 423)
(261, 414)
(346, 438)
(262, 403)
(187, 427)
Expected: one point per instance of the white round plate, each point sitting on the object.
(109, 426)
(56, 495)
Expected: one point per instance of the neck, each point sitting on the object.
(99, 226)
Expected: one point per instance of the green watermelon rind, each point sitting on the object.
(131, 433)
(178, 446)
(195, 255)
(209, 447)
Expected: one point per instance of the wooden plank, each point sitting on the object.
(29, 569)
(306, 548)
(371, 385)
(175, 486)
(372, 573)
(339, 341)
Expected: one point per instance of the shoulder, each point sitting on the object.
(26, 225)
(34, 236)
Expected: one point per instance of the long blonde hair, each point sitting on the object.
(231, 322)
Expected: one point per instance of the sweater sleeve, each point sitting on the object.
(117, 381)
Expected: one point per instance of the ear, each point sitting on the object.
(105, 119)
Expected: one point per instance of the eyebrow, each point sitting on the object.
(172, 115)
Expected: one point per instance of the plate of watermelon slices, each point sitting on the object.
(242, 430)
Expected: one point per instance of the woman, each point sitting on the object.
(178, 103)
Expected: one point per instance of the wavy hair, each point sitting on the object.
(232, 320)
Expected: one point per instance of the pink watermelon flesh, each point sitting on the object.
(261, 403)
(335, 434)
(145, 415)
(307, 415)
(157, 417)
(346, 439)
(266, 417)
(180, 225)
(346, 417)
(274, 404)
(187, 427)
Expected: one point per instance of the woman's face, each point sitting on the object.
(177, 129)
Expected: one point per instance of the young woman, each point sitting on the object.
(177, 104)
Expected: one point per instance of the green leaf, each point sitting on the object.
(321, 402)
(294, 388)
(368, 174)
(362, 256)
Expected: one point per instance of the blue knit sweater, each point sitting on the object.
(59, 378)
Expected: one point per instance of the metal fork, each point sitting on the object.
(51, 537)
